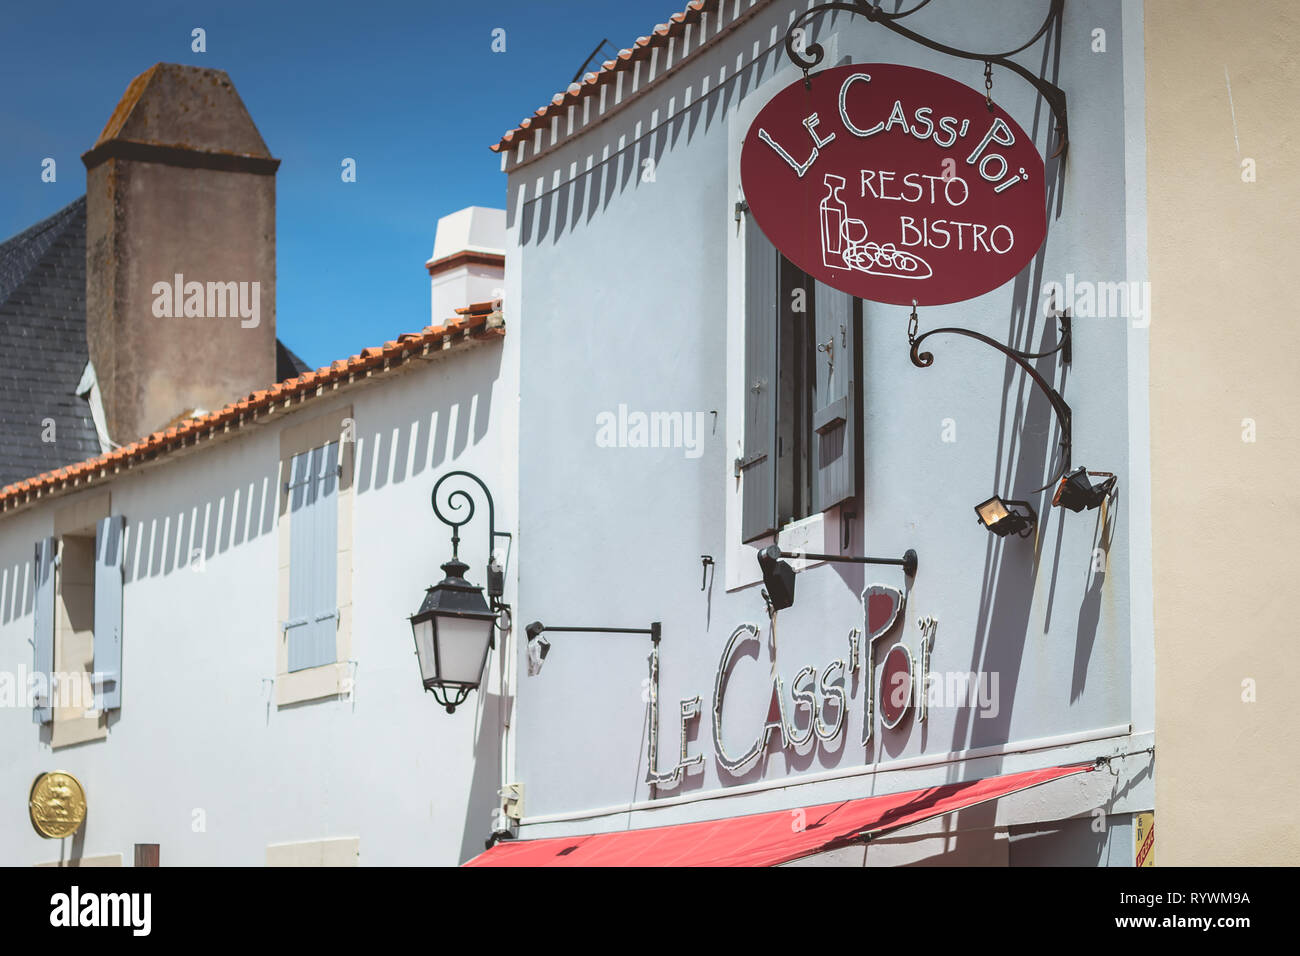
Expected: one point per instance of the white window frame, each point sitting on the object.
(326, 680)
(72, 725)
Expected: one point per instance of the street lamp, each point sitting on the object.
(454, 626)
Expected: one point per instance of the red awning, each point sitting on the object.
(765, 839)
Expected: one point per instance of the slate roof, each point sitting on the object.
(287, 365)
(43, 347)
(43, 351)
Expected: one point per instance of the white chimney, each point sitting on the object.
(468, 261)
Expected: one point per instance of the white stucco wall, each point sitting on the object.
(629, 295)
(198, 735)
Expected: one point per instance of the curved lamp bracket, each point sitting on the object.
(926, 359)
(813, 54)
(457, 501)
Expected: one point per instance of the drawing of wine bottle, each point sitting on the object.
(833, 214)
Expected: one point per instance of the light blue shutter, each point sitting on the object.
(44, 635)
(313, 557)
(110, 536)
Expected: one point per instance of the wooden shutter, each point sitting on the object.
(757, 465)
(110, 536)
(43, 566)
(834, 423)
(313, 558)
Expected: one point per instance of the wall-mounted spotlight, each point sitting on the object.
(778, 576)
(454, 626)
(1007, 517)
(539, 647)
(1076, 492)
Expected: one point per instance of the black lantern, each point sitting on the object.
(453, 634)
(778, 576)
(1003, 518)
(453, 628)
(1076, 492)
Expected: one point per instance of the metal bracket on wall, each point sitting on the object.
(742, 463)
(812, 54)
(1059, 405)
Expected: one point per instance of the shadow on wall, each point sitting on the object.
(425, 443)
(1011, 572)
(1033, 444)
(562, 207)
(1090, 609)
(17, 591)
(189, 536)
(486, 779)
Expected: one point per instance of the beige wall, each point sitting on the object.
(75, 721)
(1225, 346)
(74, 644)
(107, 859)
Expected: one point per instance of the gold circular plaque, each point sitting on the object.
(57, 804)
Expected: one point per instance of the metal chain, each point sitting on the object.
(988, 84)
(912, 325)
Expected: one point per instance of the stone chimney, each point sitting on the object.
(180, 251)
(468, 264)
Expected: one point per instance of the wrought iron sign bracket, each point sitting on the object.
(1059, 405)
(813, 53)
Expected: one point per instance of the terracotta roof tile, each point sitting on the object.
(472, 322)
(623, 61)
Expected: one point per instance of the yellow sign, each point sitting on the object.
(57, 804)
(1144, 839)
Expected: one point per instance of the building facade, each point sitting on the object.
(204, 622)
(680, 391)
(653, 316)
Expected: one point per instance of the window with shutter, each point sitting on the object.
(77, 708)
(78, 620)
(313, 558)
(313, 619)
(800, 454)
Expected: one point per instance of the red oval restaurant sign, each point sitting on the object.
(895, 184)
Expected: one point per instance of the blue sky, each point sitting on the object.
(412, 91)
